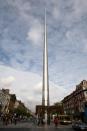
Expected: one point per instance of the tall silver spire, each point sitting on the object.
(45, 89)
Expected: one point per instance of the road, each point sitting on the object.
(28, 126)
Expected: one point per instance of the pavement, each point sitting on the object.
(28, 126)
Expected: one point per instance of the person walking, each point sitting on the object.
(56, 121)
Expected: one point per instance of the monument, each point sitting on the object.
(45, 88)
(42, 110)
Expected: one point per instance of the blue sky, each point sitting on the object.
(21, 39)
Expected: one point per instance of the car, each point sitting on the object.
(79, 126)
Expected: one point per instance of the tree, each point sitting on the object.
(12, 103)
(22, 110)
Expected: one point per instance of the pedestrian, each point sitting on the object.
(3, 119)
(15, 119)
(38, 121)
(56, 121)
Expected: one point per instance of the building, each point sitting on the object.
(16, 104)
(56, 109)
(4, 101)
(12, 103)
(75, 102)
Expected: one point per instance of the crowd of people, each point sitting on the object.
(9, 119)
(14, 119)
(39, 121)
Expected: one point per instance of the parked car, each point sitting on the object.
(79, 126)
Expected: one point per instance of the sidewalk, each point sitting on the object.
(31, 125)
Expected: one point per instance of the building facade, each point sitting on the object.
(75, 102)
(16, 104)
(52, 110)
(4, 101)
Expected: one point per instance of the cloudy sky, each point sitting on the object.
(21, 47)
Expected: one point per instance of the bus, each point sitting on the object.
(65, 119)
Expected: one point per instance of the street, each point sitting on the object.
(28, 126)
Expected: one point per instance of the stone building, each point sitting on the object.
(56, 109)
(75, 102)
(4, 101)
(16, 104)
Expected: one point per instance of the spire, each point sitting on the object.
(45, 89)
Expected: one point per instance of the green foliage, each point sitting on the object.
(58, 104)
(21, 111)
(28, 114)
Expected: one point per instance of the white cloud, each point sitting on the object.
(69, 12)
(80, 7)
(28, 86)
(35, 34)
(84, 49)
(38, 88)
(56, 12)
(7, 81)
(23, 10)
(68, 35)
(20, 5)
(9, 45)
